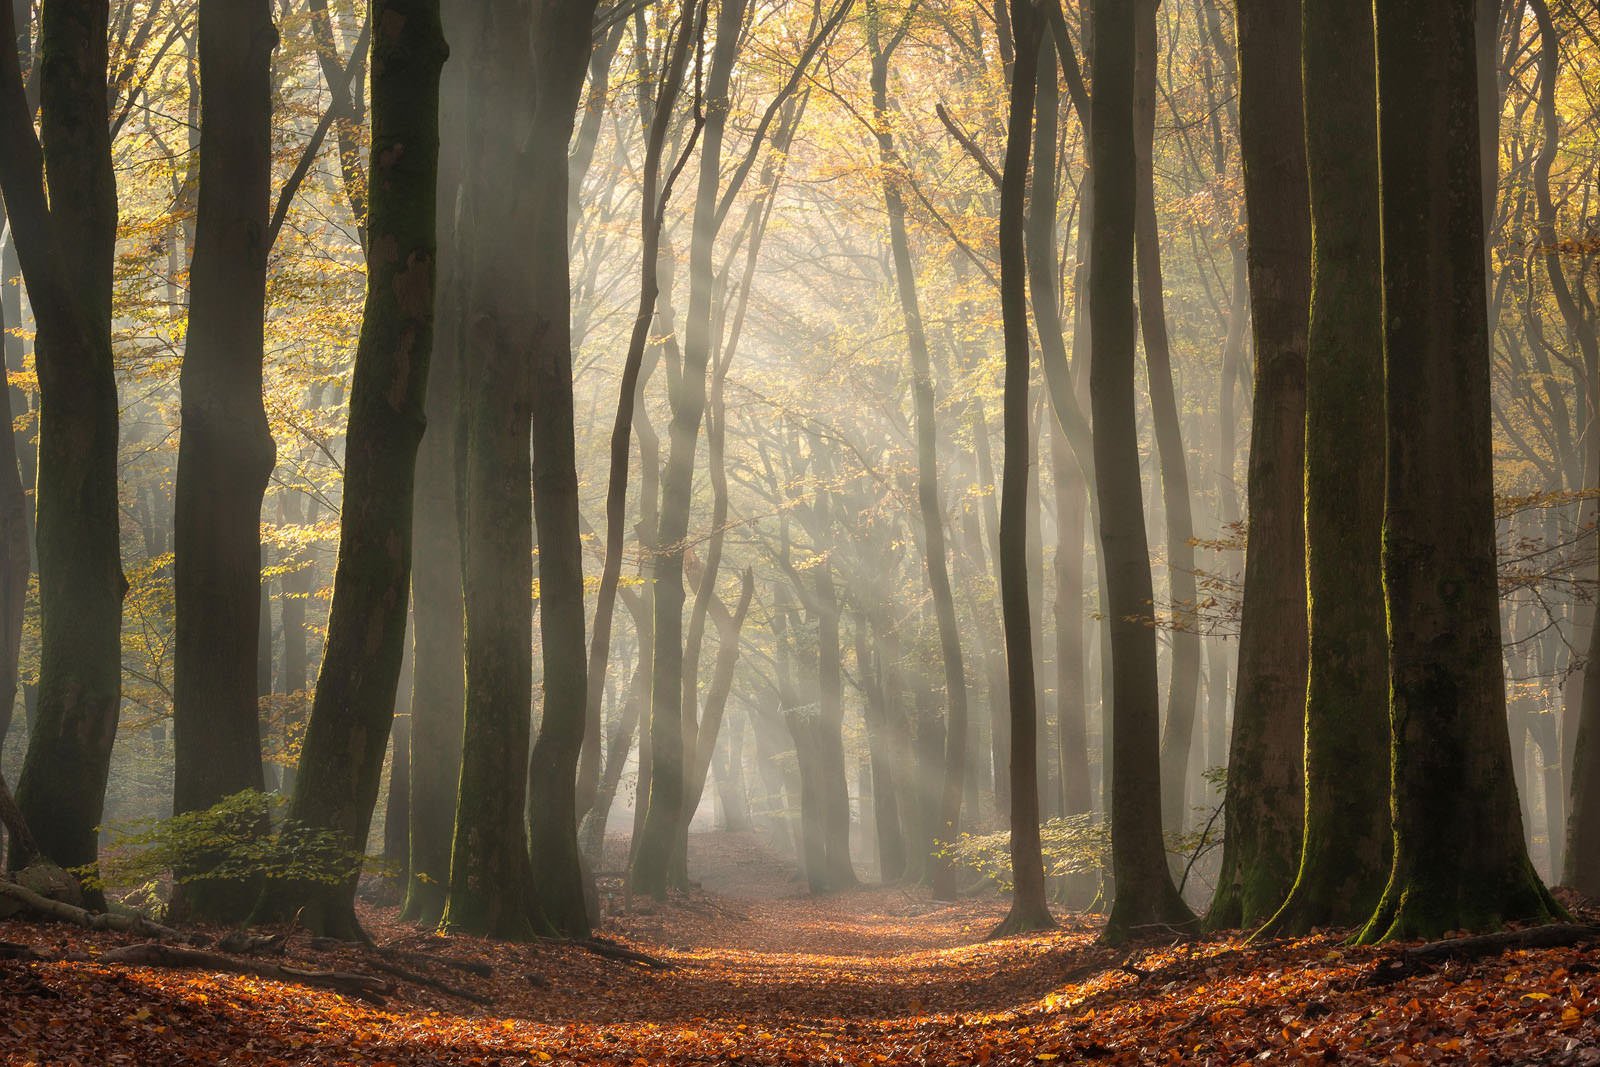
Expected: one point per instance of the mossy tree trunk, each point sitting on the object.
(1344, 859)
(1145, 895)
(341, 762)
(65, 239)
(1460, 862)
(225, 452)
(1264, 802)
(1029, 908)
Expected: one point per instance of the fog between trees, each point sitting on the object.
(1073, 450)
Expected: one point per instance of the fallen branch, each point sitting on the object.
(610, 950)
(71, 913)
(153, 954)
(10, 950)
(472, 967)
(1423, 958)
(431, 983)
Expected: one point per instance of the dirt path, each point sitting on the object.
(762, 974)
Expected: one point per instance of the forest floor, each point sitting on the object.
(758, 973)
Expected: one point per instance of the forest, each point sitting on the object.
(800, 531)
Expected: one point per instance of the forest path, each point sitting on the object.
(761, 973)
(769, 948)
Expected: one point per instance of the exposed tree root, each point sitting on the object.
(154, 954)
(1426, 957)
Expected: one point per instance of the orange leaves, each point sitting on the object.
(875, 978)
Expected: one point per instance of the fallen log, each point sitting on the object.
(1420, 959)
(71, 913)
(168, 957)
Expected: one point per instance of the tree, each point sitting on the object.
(60, 193)
(341, 762)
(1183, 691)
(1145, 895)
(929, 502)
(1345, 852)
(225, 453)
(1460, 862)
(438, 682)
(521, 350)
(1261, 843)
(1029, 909)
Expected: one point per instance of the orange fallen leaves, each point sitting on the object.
(873, 977)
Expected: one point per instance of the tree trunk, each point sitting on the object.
(1029, 910)
(562, 42)
(1345, 858)
(66, 251)
(341, 763)
(1460, 862)
(1264, 794)
(891, 845)
(438, 679)
(929, 501)
(225, 452)
(16, 535)
(655, 192)
(1145, 896)
(1184, 683)
(1583, 829)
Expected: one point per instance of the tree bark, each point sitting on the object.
(1460, 862)
(1264, 793)
(1029, 909)
(562, 42)
(1345, 856)
(225, 452)
(1184, 683)
(341, 762)
(1145, 895)
(652, 860)
(929, 500)
(438, 679)
(66, 249)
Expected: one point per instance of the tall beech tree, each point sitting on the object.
(438, 681)
(1261, 842)
(520, 350)
(341, 761)
(563, 39)
(225, 453)
(1177, 736)
(1460, 862)
(1344, 860)
(1145, 895)
(1029, 908)
(61, 199)
(929, 502)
